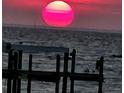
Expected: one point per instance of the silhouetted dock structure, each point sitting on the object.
(14, 73)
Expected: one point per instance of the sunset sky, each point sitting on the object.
(91, 14)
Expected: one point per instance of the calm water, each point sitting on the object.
(89, 46)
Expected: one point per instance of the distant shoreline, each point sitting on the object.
(62, 29)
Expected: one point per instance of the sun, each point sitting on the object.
(58, 14)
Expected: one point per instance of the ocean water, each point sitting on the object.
(89, 47)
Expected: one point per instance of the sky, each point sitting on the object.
(91, 14)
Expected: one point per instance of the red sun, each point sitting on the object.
(58, 14)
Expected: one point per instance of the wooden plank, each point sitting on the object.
(32, 48)
(85, 77)
(34, 75)
(50, 76)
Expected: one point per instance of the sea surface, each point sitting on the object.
(89, 46)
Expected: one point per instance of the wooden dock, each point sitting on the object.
(14, 74)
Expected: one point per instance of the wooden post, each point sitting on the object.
(57, 72)
(64, 87)
(101, 74)
(19, 67)
(10, 59)
(14, 90)
(29, 79)
(73, 54)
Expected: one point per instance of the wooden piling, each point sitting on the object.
(9, 83)
(14, 89)
(73, 54)
(57, 73)
(19, 67)
(29, 79)
(101, 74)
(64, 87)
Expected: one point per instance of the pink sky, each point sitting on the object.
(91, 14)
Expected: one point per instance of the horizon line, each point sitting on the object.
(65, 28)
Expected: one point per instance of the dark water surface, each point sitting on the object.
(89, 46)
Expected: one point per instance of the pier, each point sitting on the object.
(14, 73)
